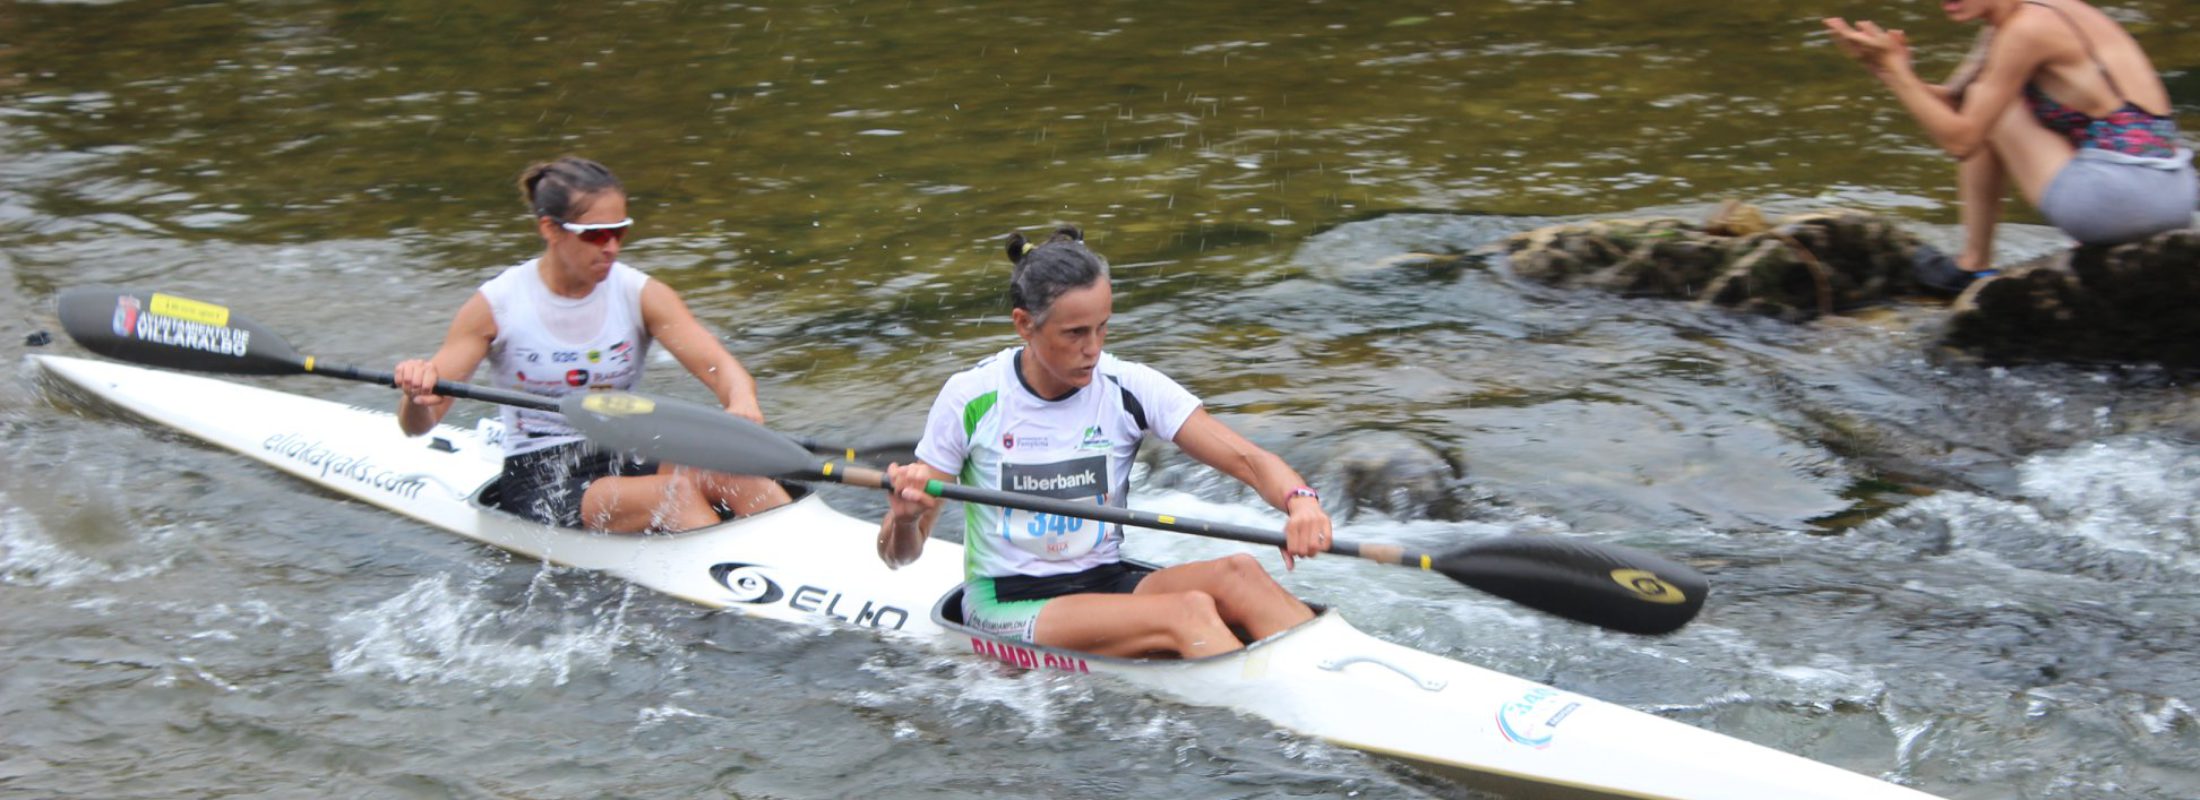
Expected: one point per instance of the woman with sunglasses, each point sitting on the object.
(1060, 418)
(576, 319)
(2058, 98)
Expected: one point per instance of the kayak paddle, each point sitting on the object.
(1604, 585)
(164, 330)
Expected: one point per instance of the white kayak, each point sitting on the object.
(806, 561)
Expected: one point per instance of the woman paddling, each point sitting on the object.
(1060, 417)
(576, 319)
(2062, 100)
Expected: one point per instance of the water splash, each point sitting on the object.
(439, 632)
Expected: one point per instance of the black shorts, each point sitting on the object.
(1116, 578)
(546, 485)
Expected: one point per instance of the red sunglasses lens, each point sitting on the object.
(601, 236)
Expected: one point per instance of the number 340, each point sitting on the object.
(1057, 524)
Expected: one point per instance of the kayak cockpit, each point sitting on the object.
(947, 613)
(490, 497)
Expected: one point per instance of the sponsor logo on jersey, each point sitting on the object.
(595, 356)
(578, 377)
(1094, 439)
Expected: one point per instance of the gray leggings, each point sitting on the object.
(2105, 197)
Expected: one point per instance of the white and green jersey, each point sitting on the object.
(989, 429)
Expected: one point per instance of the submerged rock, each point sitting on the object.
(1401, 476)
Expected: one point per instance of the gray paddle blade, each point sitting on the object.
(164, 330)
(678, 432)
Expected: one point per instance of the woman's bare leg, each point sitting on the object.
(666, 501)
(745, 494)
(1244, 593)
(1131, 625)
(2019, 148)
(1980, 184)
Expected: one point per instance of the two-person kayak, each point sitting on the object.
(808, 563)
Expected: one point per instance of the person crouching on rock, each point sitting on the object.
(2059, 98)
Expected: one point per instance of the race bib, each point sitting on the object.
(1055, 537)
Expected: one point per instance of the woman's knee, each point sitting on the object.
(1243, 571)
(1196, 607)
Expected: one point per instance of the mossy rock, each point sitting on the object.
(1799, 267)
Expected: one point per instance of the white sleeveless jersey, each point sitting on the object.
(990, 430)
(552, 345)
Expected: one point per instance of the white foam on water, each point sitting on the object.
(438, 632)
(2133, 494)
(2125, 510)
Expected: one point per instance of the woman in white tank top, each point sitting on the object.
(575, 319)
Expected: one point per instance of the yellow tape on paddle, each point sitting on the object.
(168, 305)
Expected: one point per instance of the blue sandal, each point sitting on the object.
(1936, 272)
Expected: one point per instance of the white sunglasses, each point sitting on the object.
(597, 233)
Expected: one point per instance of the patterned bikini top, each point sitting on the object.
(2130, 130)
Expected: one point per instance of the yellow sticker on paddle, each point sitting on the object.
(1648, 586)
(168, 305)
(618, 404)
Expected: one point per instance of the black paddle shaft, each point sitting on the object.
(1605, 585)
(486, 394)
(175, 332)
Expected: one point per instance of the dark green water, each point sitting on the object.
(1974, 580)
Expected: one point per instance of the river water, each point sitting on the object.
(1972, 579)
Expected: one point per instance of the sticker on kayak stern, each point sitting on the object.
(750, 585)
(1533, 719)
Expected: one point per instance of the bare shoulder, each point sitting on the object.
(662, 303)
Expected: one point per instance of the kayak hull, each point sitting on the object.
(808, 563)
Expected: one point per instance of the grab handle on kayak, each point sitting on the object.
(1338, 665)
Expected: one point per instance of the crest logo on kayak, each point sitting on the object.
(1649, 587)
(1533, 719)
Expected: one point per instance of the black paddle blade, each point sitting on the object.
(164, 330)
(1604, 585)
(678, 432)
